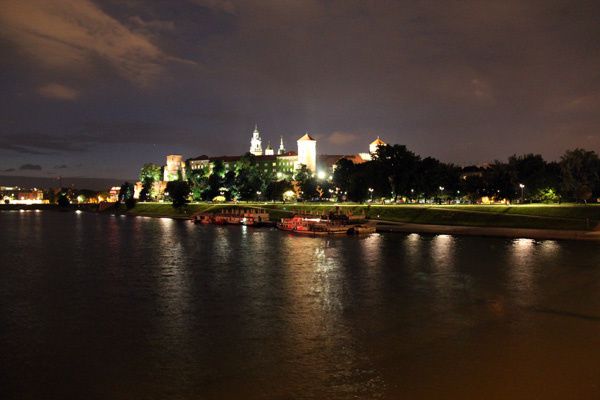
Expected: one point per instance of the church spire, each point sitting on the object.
(256, 142)
(281, 146)
(269, 150)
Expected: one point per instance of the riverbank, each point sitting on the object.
(514, 233)
(567, 221)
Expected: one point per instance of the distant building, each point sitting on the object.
(199, 163)
(17, 195)
(269, 150)
(307, 152)
(175, 168)
(282, 165)
(256, 142)
(281, 149)
(375, 144)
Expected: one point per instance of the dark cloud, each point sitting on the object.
(9, 170)
(38, 143)
(30, 167)
(61, 166)
(91, 134)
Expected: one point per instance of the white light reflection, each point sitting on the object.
(442, 250)
(412, 244)
(521, 274)
(173, 287)
(371, 249)
(550, 248)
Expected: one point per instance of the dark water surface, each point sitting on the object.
(101, 307)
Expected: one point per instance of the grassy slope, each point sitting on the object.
(526, 216)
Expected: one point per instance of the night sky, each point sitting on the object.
(97, 88)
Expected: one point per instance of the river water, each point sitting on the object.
(103, 307)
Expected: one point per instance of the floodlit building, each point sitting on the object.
(282, 165)
(269, 150)
(281, 146)
(307, 152)
(372, 149)
(256, 143)
(175, 168)
(17, 195)
(375, 144)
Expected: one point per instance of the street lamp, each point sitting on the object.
(522, 186)
(371, 193)
(258, 193)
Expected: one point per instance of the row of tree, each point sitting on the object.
(394, 173)
(397, 173)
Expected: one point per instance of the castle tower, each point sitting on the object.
(376, 143)
(269, 150)
(281, 147)
(175, 168)
(256, 142)
(307, 152)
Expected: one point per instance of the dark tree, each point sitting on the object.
(501, 179)
(580, 174)
(399, 166)
(230, 186)
(215, 180)
(179, 191)
(126, 192)
(343, 174)
(63, 200)
(307, 183)
(276, 189)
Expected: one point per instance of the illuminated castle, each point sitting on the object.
(282, 165)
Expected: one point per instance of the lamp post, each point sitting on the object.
(371, 194)
(441, 193)
(258, 193)
(522, 186)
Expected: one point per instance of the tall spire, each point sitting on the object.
(281, 146)
(269, 150)
(256, 142)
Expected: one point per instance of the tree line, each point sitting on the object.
(395, 173)
(398, 173)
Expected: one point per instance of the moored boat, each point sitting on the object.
(234, 216)
(313, 225)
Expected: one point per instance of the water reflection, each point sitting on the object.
(442, 249)
(521, 274)
(173, 287)
(371, 250)
(445, 280)
(168, 309)
(411, 249)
